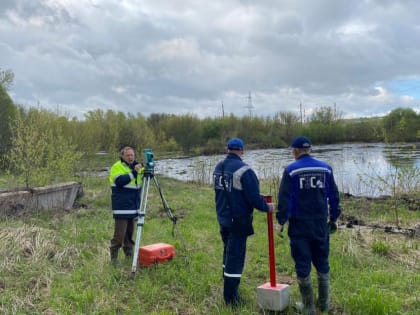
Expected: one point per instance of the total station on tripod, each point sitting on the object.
(149, 162)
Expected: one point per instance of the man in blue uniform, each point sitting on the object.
(125, 179)
(237, 193)
(309, 199)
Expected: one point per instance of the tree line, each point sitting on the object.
(40, 136)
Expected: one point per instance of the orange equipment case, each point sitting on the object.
(155, 253)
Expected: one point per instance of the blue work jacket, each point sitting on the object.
(237, 191)
(308, 192)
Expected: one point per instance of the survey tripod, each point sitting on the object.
(149, 175)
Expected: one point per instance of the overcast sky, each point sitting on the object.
(186, 56)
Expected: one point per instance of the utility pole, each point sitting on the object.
(223, 111)
(249, 105)
(301, 114)
(335, 111)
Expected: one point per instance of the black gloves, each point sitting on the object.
(132, 166)
(332, 227)
(280, 231)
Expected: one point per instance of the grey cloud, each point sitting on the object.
(160, 56)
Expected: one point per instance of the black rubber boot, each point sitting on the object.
(114, 255)
(324, 291)
(128, 251)
(230, 291)
(305, 288)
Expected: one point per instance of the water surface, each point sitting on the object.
(359, 169)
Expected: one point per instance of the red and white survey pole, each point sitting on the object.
(271, 256)
(272, 295)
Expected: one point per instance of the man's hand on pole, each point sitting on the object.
(271, 207)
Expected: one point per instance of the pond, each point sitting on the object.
(360, 169)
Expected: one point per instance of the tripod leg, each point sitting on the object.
(164, 202)
(169, 213)
(140, 222)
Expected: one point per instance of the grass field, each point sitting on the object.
(57, 262)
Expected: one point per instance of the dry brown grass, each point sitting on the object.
(401, 248)
(30, 259)
(25, 242)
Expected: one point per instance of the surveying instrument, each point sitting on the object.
(148, 175)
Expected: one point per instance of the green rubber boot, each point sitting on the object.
(324, 291)
(307, 305)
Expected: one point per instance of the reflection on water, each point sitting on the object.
(359, 169)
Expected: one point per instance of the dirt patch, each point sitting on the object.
(351, 222)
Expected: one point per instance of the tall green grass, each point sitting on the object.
(57, 262)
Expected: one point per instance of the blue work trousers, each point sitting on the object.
(234, 250)
(305, 252)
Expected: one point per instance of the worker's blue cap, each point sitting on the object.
(235, 144)
(301, 142)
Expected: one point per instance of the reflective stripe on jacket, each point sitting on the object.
(237, 190)
(308, 191)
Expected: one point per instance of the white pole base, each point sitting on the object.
(273, 298)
